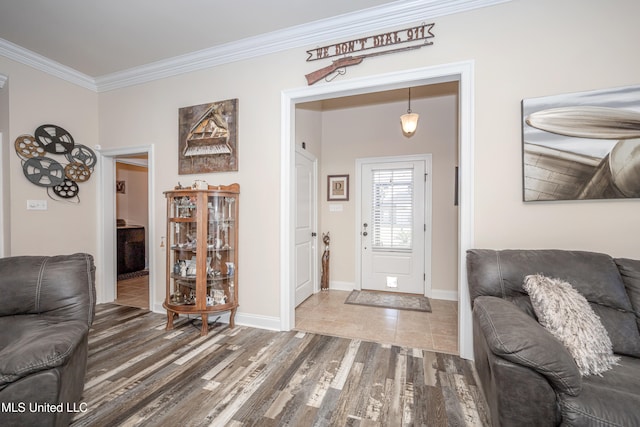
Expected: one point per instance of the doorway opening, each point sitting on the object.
(132, 227)
(138, 159)
(458, 72)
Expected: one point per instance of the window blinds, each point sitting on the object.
(392, 209)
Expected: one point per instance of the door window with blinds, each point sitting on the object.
(392, 209)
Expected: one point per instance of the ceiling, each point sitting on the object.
(98, 38)
(106, 45)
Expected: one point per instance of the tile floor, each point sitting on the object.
(326, 313)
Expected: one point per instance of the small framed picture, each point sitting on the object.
(121, 187)
(337, 187)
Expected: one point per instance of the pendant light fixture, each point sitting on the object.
(409, 121)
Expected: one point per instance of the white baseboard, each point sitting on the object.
(244, 319)
(341, 286)
(444, 295)
(257, 321)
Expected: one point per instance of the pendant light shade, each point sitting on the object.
(409, 121)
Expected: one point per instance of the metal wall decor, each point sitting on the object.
(208, 138)
(581, 146)
(60, 179)
(409, 38)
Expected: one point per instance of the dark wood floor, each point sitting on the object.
(140, 374)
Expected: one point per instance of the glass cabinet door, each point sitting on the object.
(183, 240)
(221, 246)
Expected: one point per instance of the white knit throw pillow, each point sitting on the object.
(565, 313)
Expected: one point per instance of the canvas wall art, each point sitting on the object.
(582, 145)
(208, 138)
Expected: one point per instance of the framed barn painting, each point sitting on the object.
(208, 138)
(582, 146)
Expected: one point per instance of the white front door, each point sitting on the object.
(393, 225)
(305, 250)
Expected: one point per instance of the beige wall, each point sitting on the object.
(36, 99)
(309, 130)
(521, 49)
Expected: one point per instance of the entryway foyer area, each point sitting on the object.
(339, 132)
(325, 313)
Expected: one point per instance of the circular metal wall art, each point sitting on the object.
(54, 139)
(43, 171)
(82, 154)
(77, 172)
(27, 147)
(67, 189)
(59, 179)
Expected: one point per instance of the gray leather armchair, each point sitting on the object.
(46, 311)
(529, 378)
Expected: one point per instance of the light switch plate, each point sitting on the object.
(36, 205)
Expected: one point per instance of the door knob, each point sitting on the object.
(364, 233)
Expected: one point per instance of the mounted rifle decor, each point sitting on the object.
(414, 38)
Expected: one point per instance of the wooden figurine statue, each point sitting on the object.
(324, 281)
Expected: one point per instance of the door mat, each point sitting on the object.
(390, 300)
(133, 275)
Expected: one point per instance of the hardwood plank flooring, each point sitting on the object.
(141, 375)
(133, 292)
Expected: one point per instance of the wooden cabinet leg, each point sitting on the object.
(232, 316)
(205, 325)
(170, 316)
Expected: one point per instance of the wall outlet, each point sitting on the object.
(36, 205)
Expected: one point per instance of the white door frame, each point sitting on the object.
(463, 73)
(426, 158)
(5, 244)
(106, 273)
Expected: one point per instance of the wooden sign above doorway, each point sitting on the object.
(379, 44)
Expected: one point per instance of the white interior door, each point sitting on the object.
(306, 260)
(393, 226)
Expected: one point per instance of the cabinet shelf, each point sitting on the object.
(191, 308)
(193, 278)
(187, 220)
(208, 249)
(202, 234)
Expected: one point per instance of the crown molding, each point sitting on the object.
(46, 65)
(318, 32)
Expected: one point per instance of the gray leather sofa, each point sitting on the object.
(46, 311)
(528, 377)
